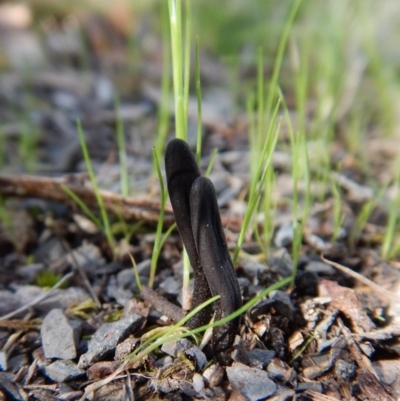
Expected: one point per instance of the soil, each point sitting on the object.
(332, 335)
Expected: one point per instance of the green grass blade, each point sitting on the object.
(393, 216)
(163, 108)
(279, 55)
(93, 181)
(256, 188)
(199, 106)
(162, 336)
(158, 240)
(211, 162)
(123, 160)
(136, 271)
(82, 205)
(186, 65)
(175, 19)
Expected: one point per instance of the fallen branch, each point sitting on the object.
(51, 189)
(129, 209)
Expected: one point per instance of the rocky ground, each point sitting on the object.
(334, 335)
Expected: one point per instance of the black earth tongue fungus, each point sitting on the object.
(216, 262)
(182, 171)
(197, 216)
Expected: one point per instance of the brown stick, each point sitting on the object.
(130, 209)
(50, 189)
(162, 305)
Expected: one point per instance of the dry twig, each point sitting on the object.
(51, 189)
(162, 305)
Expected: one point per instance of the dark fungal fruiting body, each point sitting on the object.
(216, 262)
(182, 171)
(197, 216)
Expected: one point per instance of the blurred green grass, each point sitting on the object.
(339, 74)
(349, 48)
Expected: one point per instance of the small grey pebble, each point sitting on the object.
(284, 235)
(198, 382)
(107, 337)
(253, 383)
(63, 371)
(260, 358)
(173, 347)
(197, 356)
(59, 335)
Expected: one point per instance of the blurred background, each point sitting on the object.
(62, 61)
